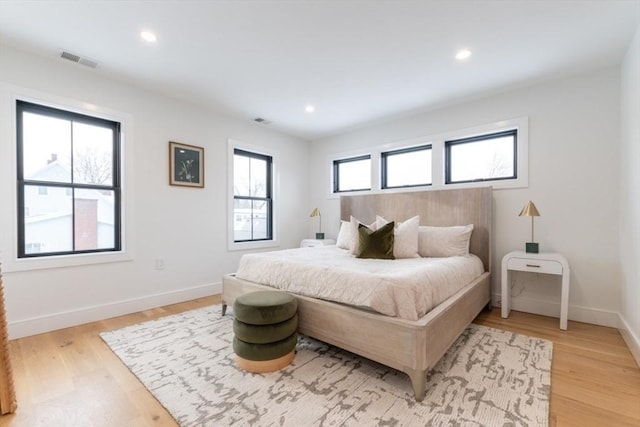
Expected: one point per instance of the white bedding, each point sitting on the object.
(405, 288)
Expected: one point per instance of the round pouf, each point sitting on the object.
(265, 334)
(265, 324)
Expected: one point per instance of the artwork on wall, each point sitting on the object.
(186, 165)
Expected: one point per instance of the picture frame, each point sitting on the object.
(186, 165)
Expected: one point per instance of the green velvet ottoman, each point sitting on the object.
(264, 325)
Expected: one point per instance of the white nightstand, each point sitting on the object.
(547, 263)
(308, 243)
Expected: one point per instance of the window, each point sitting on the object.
(68, 182)
(488, 157)
(352, 174)
(407, 167)
(494, 154)
(252, 196)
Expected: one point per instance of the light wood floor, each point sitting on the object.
(594, 379)
(70, 378)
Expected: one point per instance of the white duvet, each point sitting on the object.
(405, 288)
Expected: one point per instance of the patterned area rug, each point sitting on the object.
(488, 378)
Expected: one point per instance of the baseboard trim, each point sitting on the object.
(594, 316)
(631, 339)
(65, 319)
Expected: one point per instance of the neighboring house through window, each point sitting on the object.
(69, 186)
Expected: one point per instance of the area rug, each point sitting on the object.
(488, 377)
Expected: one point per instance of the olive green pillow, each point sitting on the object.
(376, 244)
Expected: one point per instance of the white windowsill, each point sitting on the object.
(62, 261)
(245, 246)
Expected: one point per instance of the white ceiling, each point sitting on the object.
(356, 61)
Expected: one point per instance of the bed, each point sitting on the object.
(410, 346)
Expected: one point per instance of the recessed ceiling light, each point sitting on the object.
(309, 108)
(463, 54)
(148, 36)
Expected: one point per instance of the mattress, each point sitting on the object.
(405, 288)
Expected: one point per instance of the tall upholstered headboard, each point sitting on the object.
(436, 208)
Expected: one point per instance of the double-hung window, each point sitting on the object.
(406, 167)
(488, 157)
(68, 182)
(352, 174)
(252, 196)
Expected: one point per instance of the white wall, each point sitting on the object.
(630, 200)
(574, 162)
(574, 157)
(184, 226)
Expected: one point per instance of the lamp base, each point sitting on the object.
(320, 236)
(531, 248)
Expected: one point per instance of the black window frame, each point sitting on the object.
(383, 166)
(336, 173)
(450, 143)
(268, 197)
(22, 183)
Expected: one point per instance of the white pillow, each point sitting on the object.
(405, 235)
(344, 236)
(354, 245)
(444, 241)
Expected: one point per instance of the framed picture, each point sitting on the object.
(186, 165)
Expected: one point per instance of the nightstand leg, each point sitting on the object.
(505, 297)
(564, 301)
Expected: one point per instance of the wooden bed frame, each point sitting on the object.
(412, 347)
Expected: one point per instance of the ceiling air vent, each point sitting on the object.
(261, 120)
(78, 59)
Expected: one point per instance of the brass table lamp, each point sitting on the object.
(530, 210)
(316, 212)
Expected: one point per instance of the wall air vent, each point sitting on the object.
(261, 121)
(78, 59)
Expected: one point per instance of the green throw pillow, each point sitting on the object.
(376, 244)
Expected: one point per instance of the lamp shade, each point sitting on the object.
(529, 210)
(315, 212)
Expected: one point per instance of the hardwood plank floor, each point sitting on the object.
(594, 379)
(70, 378)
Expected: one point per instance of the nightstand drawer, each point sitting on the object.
(535, 265)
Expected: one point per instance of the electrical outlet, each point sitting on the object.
(159, 264)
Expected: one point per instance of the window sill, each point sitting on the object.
(63, 261)
(243, 246)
